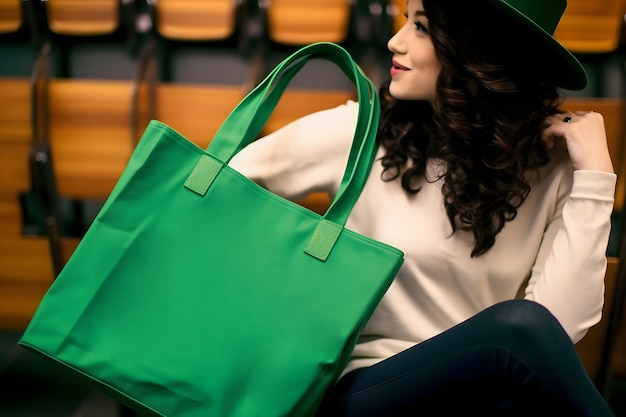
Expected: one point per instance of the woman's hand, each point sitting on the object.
(584, 136)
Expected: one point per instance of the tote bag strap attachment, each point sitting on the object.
(248, 118)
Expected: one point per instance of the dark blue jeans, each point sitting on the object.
(512, 359)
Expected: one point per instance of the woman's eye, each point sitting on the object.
(420, 27)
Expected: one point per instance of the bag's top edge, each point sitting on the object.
(176, 135)
(183, 140)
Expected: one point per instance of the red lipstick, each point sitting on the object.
(396, 68)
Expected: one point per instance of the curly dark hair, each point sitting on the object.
(485, 125)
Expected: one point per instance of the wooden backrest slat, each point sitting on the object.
(300, 22)
(15, 118)
(83, 18)
(195, 19)
(591, 26)
(90, 135)
(196, 111)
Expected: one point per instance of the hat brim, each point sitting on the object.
(558, 65)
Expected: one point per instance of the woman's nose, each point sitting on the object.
(395, 44)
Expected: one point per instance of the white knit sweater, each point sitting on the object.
(553, 252)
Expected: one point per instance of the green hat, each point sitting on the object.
(540, 18)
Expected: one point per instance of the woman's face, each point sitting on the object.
(415, 66)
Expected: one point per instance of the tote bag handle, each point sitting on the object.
(363, 149)
(247, 119)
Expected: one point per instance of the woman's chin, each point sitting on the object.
(402, 93)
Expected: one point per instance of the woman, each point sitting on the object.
(492, 194)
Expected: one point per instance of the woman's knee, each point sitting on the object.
(526, 321)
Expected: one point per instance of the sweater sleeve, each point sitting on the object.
(568, 275)
(307, 155)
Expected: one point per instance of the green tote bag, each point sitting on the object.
(196, 292)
